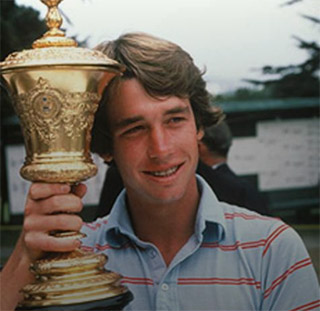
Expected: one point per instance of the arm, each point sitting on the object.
(48, 208)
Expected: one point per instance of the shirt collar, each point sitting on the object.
(210, 223)
(214, 167)
(119, 224)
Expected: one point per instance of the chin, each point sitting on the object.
(165, 197)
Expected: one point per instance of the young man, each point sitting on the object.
(176, 246)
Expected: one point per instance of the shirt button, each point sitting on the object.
(152, 253)
(164, 287)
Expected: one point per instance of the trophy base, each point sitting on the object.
(114, 303)
(74, 281)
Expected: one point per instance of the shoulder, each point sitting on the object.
(253, 229)
(244, 219)
(276, 240)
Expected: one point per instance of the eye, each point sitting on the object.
(176, 120)
(133, 130)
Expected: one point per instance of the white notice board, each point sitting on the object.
(284, 154)
(291, 154)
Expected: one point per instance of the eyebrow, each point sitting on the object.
(128, 121)
(177, 110)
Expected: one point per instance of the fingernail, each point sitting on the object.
(65, 188)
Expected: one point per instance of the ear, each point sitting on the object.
(200, 134)
(202, 148)
(106, 157)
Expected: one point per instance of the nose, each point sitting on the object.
(159, 144)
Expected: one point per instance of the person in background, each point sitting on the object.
(213, 151)
(176, 246)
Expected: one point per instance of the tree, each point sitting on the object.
(300, 80)
(20, 26)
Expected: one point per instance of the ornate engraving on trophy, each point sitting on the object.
(79, 112)
(48, 56)
(45, 110)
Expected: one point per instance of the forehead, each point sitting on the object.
(130, 99)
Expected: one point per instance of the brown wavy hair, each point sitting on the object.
(164, 69)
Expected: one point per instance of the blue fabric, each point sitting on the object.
(235, 260)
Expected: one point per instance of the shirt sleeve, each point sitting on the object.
(289, 281)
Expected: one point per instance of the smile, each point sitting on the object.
(165, 173)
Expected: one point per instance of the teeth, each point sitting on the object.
(165, 173)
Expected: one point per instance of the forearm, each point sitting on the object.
(14, 276)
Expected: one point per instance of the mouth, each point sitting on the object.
(164, 173)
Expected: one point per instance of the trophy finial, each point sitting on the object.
(54, 36)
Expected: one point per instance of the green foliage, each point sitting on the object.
(243, 94)
(20, 26)
(299, 80)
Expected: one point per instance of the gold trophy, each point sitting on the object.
(55, 89)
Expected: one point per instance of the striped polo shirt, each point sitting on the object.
(235, 260)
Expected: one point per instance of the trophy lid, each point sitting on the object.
(55, 49)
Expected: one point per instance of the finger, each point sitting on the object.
(47, 243)
(41, 223)
(44, 190)
(79, 190)
(67, 203)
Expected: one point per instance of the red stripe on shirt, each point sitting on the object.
(312, 307)
(246, 216)
(308, 306)
(273, 236)
(251, 244)
(232, 247)
(86, 248)
(137, 281)
(102, 247)
(107, 246)
(298, 265)
(219, 281)
(94, 226)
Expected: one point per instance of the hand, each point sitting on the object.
(50, 207)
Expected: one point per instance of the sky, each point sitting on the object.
(231, 39)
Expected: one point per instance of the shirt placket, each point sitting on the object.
(167, 295)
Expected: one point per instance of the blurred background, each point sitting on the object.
(262, 67)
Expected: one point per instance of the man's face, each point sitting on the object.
(154, 144)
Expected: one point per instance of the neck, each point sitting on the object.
(168, 226)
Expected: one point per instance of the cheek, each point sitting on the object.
(188, 144)
(127, 152)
